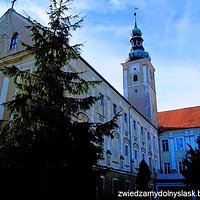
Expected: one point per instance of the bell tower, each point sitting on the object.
(138, 77)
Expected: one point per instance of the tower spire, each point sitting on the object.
(135, 14)
(137, 50)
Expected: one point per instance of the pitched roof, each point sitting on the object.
(179, 119)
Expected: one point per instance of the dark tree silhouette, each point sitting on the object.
(143, 177)
(45, 151)
(192, 165)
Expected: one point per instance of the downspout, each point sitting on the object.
(131, 145)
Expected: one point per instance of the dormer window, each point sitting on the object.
(14, 41)
(135, 78)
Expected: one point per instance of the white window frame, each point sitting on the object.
(177, 141)
(179, 166)
(167, 168)
(162, 144)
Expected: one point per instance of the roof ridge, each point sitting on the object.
(188, 117)
(13, 10)
(178, 109)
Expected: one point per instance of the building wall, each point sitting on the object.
(134, 140)
(177, 141)
(139, 87)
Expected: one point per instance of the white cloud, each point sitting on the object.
(3, 9)
(34, 10)
(119, 4)
(178, 85)
(83, 5)
(112, 29)
(170, 30)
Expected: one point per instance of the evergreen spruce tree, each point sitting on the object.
(45, 151)
(143, 177)
(192, 163)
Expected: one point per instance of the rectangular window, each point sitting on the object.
(136, 154)
(150, 165)
(101, 185)
(134, 124)
(125, 118)
(114, 109)
(142, 130)
(115, 186)
(143, 157)
(128, 185)
(126, 150)
(179, 144)
(108, 160)
(148, 136)
(167, 168)
(154, 142)
(181, 167)
(121, 164)
(101, 99)
(165, 145)
(3, 95)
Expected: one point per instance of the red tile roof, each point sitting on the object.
(179, 119)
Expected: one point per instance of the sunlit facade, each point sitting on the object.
(143, 133)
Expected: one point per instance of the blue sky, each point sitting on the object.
(171, 33)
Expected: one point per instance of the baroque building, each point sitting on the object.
(177, 130)
(137, 135)
(160, 138)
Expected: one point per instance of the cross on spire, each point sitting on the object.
(135, 10)
(13, 3)
(135, 14)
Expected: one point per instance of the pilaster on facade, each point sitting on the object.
(172, 152)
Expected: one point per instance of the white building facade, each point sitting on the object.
(137, 135)
(179, 129)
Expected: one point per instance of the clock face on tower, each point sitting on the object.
(134, 68)
(82, 117)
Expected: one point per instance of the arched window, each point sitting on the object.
(14, 41)
(135, 78)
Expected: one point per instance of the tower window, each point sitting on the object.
(135, 78)
(14, 41)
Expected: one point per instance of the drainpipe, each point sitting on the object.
(131, 145)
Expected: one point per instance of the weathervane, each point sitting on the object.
(135, 11)
(135, 14)
(13, 3)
